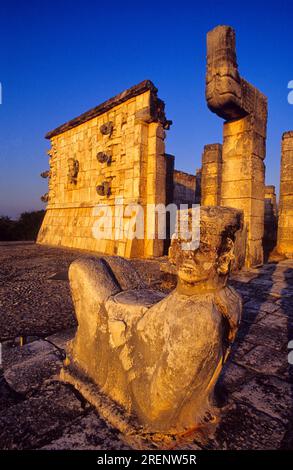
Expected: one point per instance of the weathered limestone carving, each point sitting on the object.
(104, 189)
(51, 175)
(285, 221)
(211, 175)
(270, 221)
(73, 169)
(103, 157)
(157, 357)
(245, 110)
(107, 128)
(45, 174)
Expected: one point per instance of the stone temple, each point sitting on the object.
(130, 344)
(168, 336)
(117, 150)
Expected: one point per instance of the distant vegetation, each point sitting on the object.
(25, 228)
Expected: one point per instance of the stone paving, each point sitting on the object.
(255, 390)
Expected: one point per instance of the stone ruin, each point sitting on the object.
(132, 343)
(114, 150)
(285, 216)
(211, 175)
(244, 109)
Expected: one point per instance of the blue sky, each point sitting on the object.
(60, 58)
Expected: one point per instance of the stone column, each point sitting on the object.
(245, 110)
(211, 175)
(270, 198)
(285, 222)
(270, 220)
(184, 188)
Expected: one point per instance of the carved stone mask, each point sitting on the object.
(107, 128)
(73, 169)
(103, 157)
(103, 189)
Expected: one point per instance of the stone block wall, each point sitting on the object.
(211, 175)
(271, 199)
(114, 150)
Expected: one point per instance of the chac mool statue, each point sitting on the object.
(158, 356)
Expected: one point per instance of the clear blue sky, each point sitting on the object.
(60, 58)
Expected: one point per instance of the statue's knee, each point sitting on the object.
(92, 278)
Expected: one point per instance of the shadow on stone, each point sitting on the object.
(286, 306)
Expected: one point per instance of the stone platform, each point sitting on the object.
(37, 411)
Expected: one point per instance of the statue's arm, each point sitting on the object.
(91, 284)
(229, 304)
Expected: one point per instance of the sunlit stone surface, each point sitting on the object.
(244, 109)
(156, 356)
(114, 150)
(285, 222)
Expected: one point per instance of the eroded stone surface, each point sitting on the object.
(250, 430)
(184, 188)
(32, 303)
(149, 352)
(256, 381)
(266, 361)
(285, 220)
(88, 432)
(31, 373)
(114, 151)
(269, 395)
(38, 419)
(29, 300)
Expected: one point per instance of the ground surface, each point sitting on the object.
(37, 411)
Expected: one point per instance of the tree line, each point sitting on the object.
(26, 227)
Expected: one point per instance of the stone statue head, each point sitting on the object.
(206, 267)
